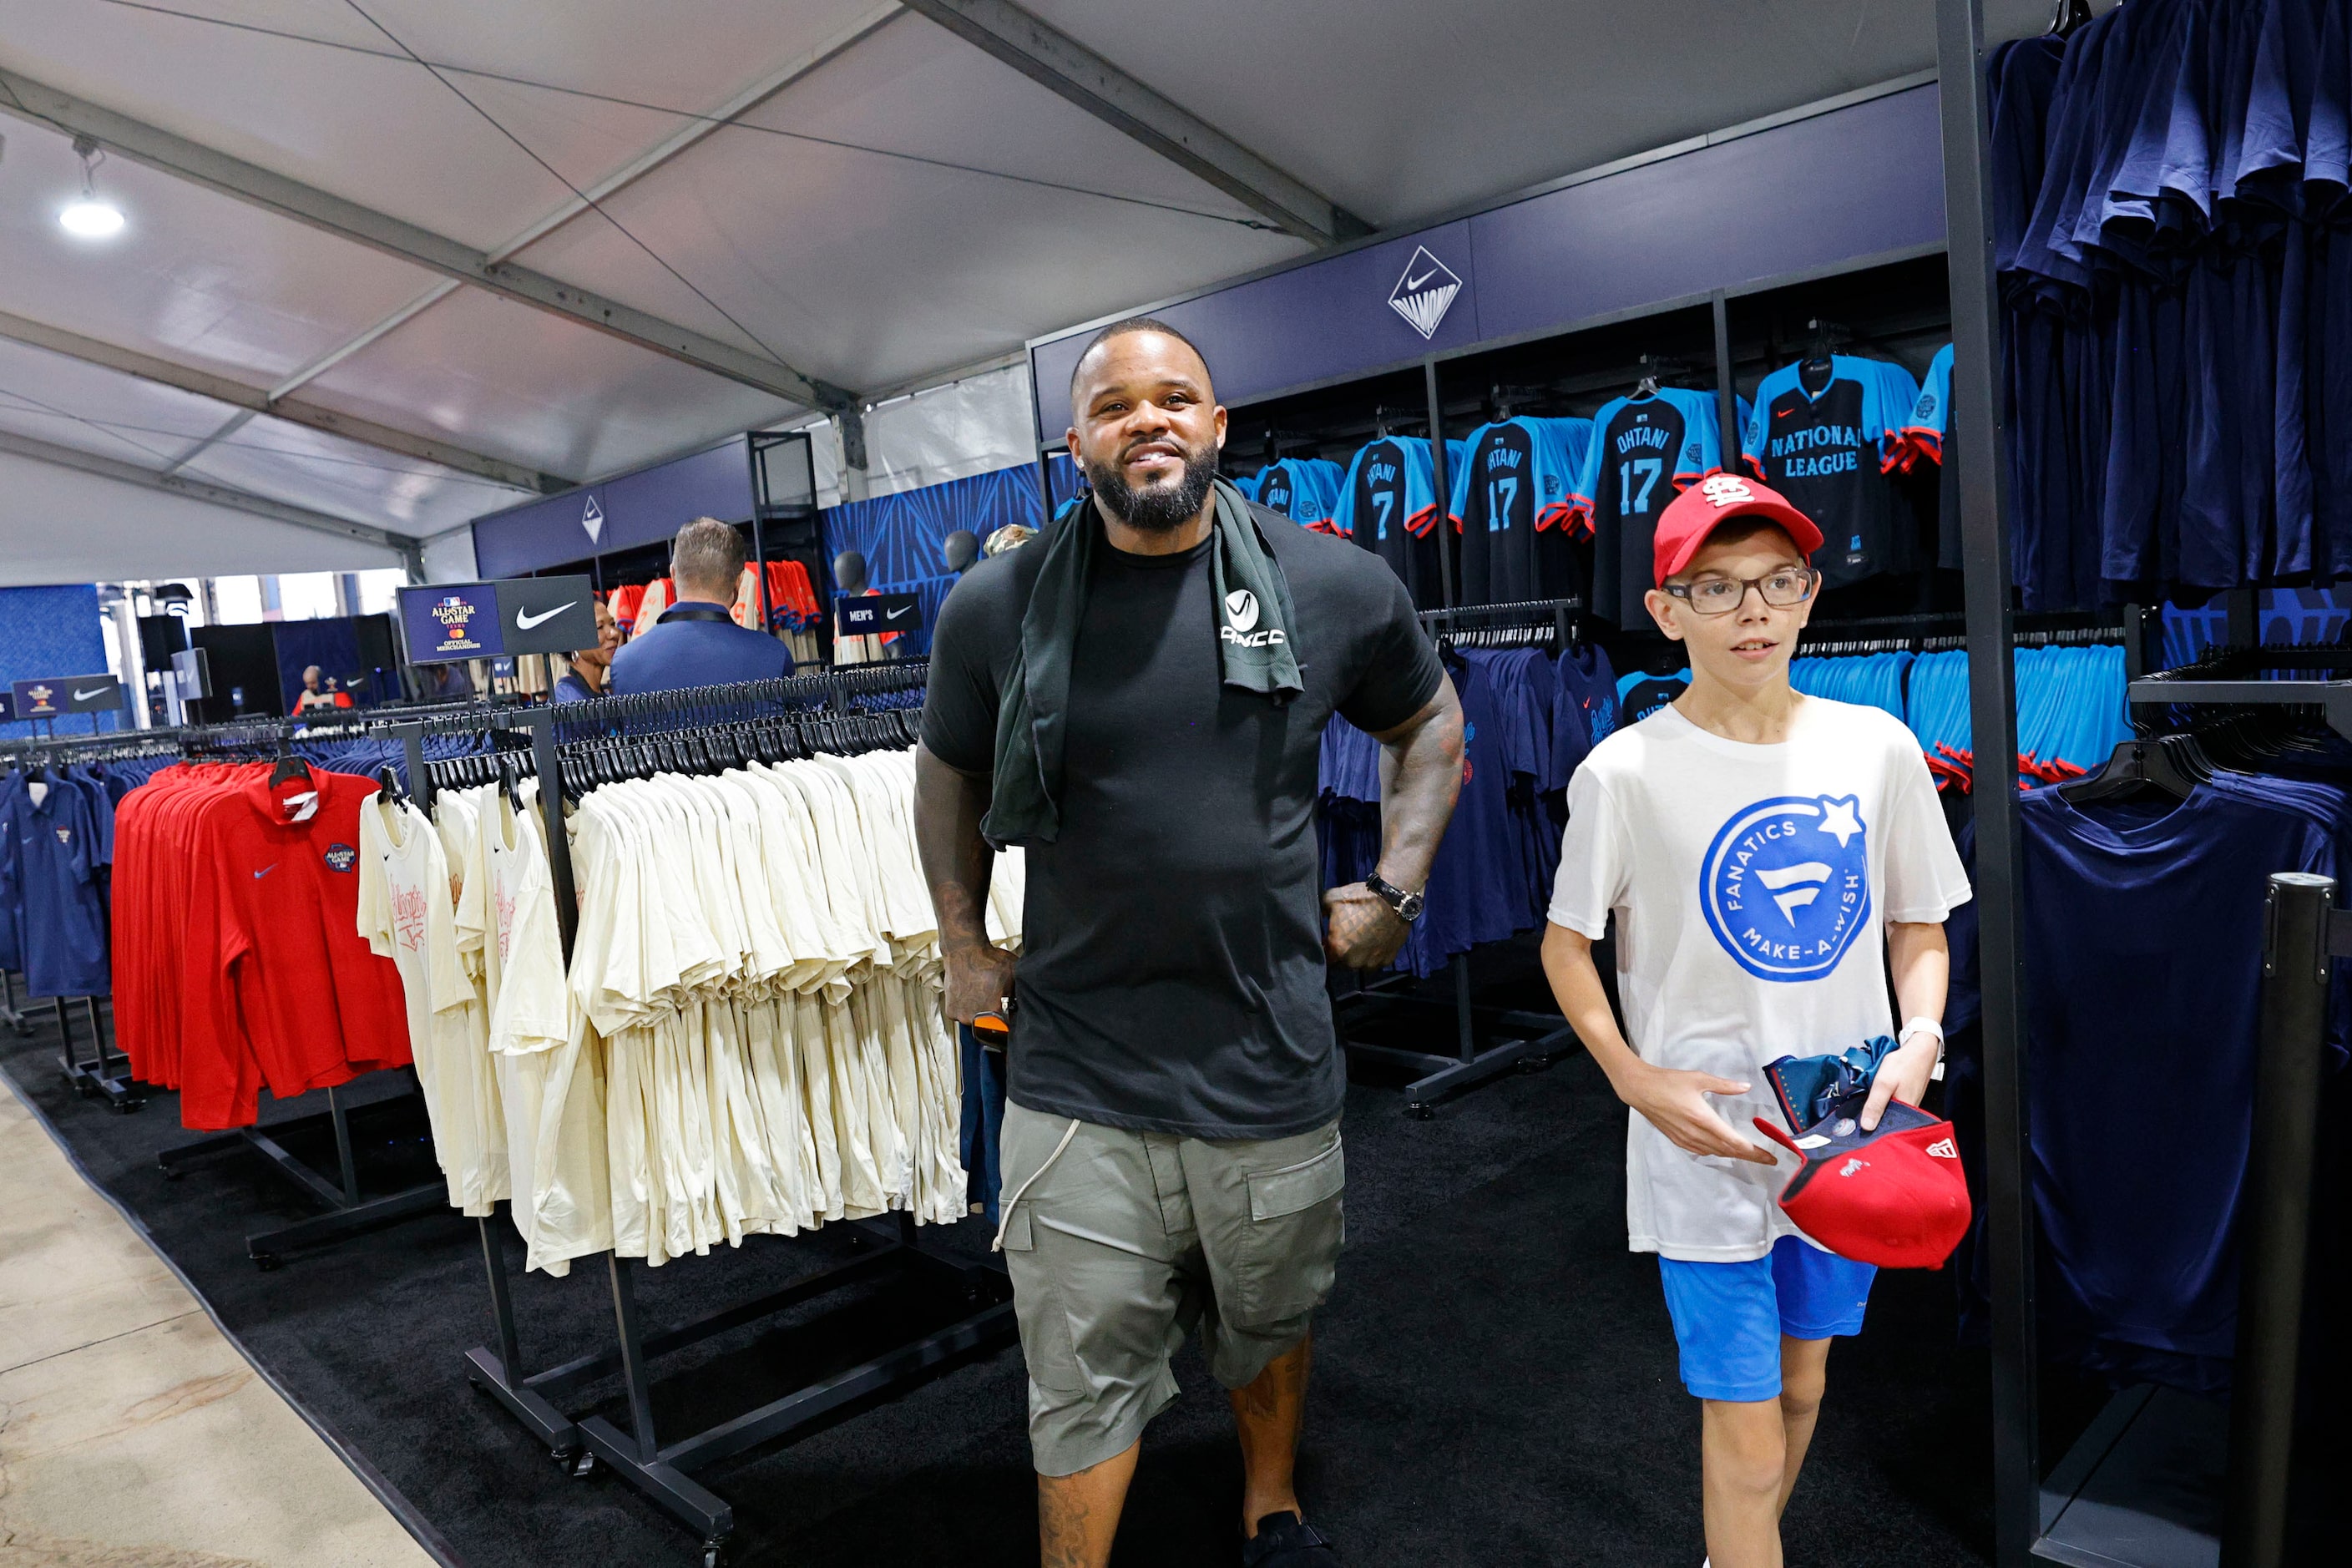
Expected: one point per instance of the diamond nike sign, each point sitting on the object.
(592, 518)
(1424, 291)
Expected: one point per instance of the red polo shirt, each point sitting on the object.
(288, 992)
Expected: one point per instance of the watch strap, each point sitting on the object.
(1407, 907)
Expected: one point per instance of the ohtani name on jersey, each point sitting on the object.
(1649, 435)
(1382, 473)
(1503, 457)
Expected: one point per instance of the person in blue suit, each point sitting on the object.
(697, 641)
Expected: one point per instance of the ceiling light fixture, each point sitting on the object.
(92, 217)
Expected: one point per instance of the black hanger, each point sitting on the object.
(2069, 17)
(2137, 764)
(288, 767)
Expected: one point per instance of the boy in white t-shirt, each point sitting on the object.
(1770, 859)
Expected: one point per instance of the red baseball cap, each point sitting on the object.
(1896, 1197)
(1715, 500)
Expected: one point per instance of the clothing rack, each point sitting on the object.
(346, 1212)
(1541, 1036)
(2129, 1458)
(97, 1076)
(1524, 621)
(663, 1470)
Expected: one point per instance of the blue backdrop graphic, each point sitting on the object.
(2286, 616)
(52, 631)
(900, 536)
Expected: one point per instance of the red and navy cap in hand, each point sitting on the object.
(1715, 500)
(1896, 1197)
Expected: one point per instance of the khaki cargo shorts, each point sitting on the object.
(1127, 1239)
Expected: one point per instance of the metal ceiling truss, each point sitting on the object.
(409, 549)
(255, 400)
(1060, 63)
(686, 136)
(198, 164)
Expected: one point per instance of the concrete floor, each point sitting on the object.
(133, 1435)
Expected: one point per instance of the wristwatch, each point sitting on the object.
(1406, 905)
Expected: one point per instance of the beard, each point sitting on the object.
(1156, 508)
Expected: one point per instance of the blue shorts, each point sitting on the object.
(1729, 1317)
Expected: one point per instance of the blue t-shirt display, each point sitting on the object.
(2141, 922)
(1586, 711)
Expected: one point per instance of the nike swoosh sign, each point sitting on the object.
(80, 696)
(902, 610)
(525, 620)
(1417, 282)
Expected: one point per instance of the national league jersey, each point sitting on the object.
(1927, 434)
(1827, 439)
(1645, 450)
(1511, 503)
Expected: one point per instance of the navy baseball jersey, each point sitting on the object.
(1926, 434)
(1388, 504)
(1639, 695)
(1513, 505)
(1825, 436)
(1644, 451)
(1304, 489)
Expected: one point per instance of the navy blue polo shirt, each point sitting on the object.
(696, 643)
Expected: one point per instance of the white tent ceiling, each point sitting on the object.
(777, 203)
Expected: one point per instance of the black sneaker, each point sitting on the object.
(1285, 1541)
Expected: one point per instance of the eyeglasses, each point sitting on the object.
(1782, 590)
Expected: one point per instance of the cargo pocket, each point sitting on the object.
(1289, 1252)
(1046, 1345)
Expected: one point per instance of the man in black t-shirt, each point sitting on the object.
(1171, 1155)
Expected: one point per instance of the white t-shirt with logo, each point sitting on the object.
(1751, 886)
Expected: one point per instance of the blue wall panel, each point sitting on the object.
(901, 535)
(52, 631)
(1835, 187)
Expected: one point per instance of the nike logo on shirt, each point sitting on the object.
(265, 871)
(525, 620)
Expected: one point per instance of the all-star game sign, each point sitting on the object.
(449, 621)
(50, 696)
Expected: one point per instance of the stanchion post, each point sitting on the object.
(2291, 1043)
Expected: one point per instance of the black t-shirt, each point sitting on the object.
(1172, 974)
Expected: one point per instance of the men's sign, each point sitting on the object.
(447, 621)
(51, 695)
(867, 614)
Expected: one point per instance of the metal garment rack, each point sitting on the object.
(663, 1469)
(94, 1077)
(346, 1211)
(1545, 1035)
(94, 1080)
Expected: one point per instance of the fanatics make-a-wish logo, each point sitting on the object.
(1786, 885)
(1424, 291)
